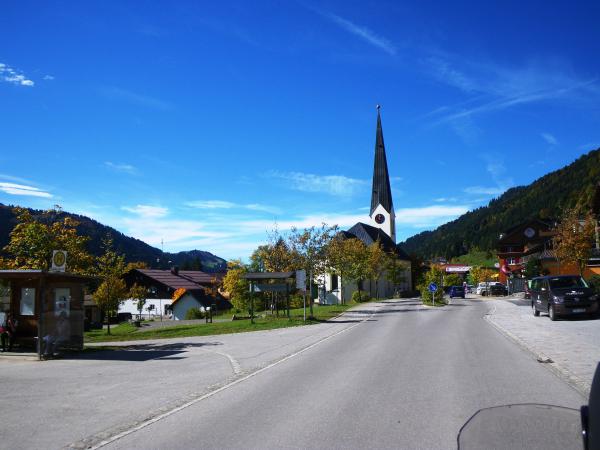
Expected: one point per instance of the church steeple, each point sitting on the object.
(382, 207)
(382, 194)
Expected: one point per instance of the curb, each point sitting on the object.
(561, 372)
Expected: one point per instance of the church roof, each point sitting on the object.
(370, 234)
(382, 193)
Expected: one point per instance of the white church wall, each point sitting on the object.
(382, 288)
(388, 225)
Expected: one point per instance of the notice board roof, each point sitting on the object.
(269, 275)
(38, 274)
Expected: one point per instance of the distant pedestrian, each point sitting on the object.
(53, 341)
(8, 331)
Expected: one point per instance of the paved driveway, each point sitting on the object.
(572, 345)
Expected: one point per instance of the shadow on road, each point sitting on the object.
(127, 355)
(140, 352)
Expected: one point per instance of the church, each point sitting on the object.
(381, 225)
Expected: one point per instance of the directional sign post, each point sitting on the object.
(432, 289)
(301, 284)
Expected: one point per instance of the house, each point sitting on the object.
(518, 245)
(380, 226)
(176, 291)
(532, 241)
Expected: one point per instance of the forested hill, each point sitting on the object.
(545, 198)
(134, 249)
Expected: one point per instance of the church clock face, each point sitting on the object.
(379, 218)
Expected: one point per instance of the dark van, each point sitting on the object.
(562, 295)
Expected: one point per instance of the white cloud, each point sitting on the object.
(263, 208)
(21, 189)
(429, 216)
(482, 190)
(13, 76)
(498, 172)
(337, 185)
(445, 199)
(549, 138)
(496, 87)
(147, 211)
(221, 204)
(125, 168)
(211, 204)
(232, 235)
(48, 77)
(426, 216)
(362, 32)
(115, 93)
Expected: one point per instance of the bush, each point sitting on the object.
(360, 297)
(433, 276)
(194, 313)
(297, 301)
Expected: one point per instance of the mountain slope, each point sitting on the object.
(545, 198)
(134, 249)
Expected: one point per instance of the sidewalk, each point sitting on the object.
(570, 348)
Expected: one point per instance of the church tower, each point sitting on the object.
(382, 208)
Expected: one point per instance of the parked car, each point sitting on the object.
(470, 289)
(491, 288)
(457, 291)
(481, 288)
(497, 289)
(563, 295)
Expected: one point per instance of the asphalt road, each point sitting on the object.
(402, 376)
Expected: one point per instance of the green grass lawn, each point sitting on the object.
(127, 332)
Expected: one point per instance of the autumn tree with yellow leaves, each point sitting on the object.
(573, 239)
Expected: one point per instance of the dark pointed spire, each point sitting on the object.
(382, 194)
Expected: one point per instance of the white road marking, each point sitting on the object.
(222, 388)
(234, 364)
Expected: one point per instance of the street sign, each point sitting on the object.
(432, 287)
(301, 280)
(59, 261)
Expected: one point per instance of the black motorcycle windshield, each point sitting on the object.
(526, 426)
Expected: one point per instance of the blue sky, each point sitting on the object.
(203, 124)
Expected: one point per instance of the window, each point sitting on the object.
(334, 282)
(27, 307)
(62, 302)
(567, 283)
